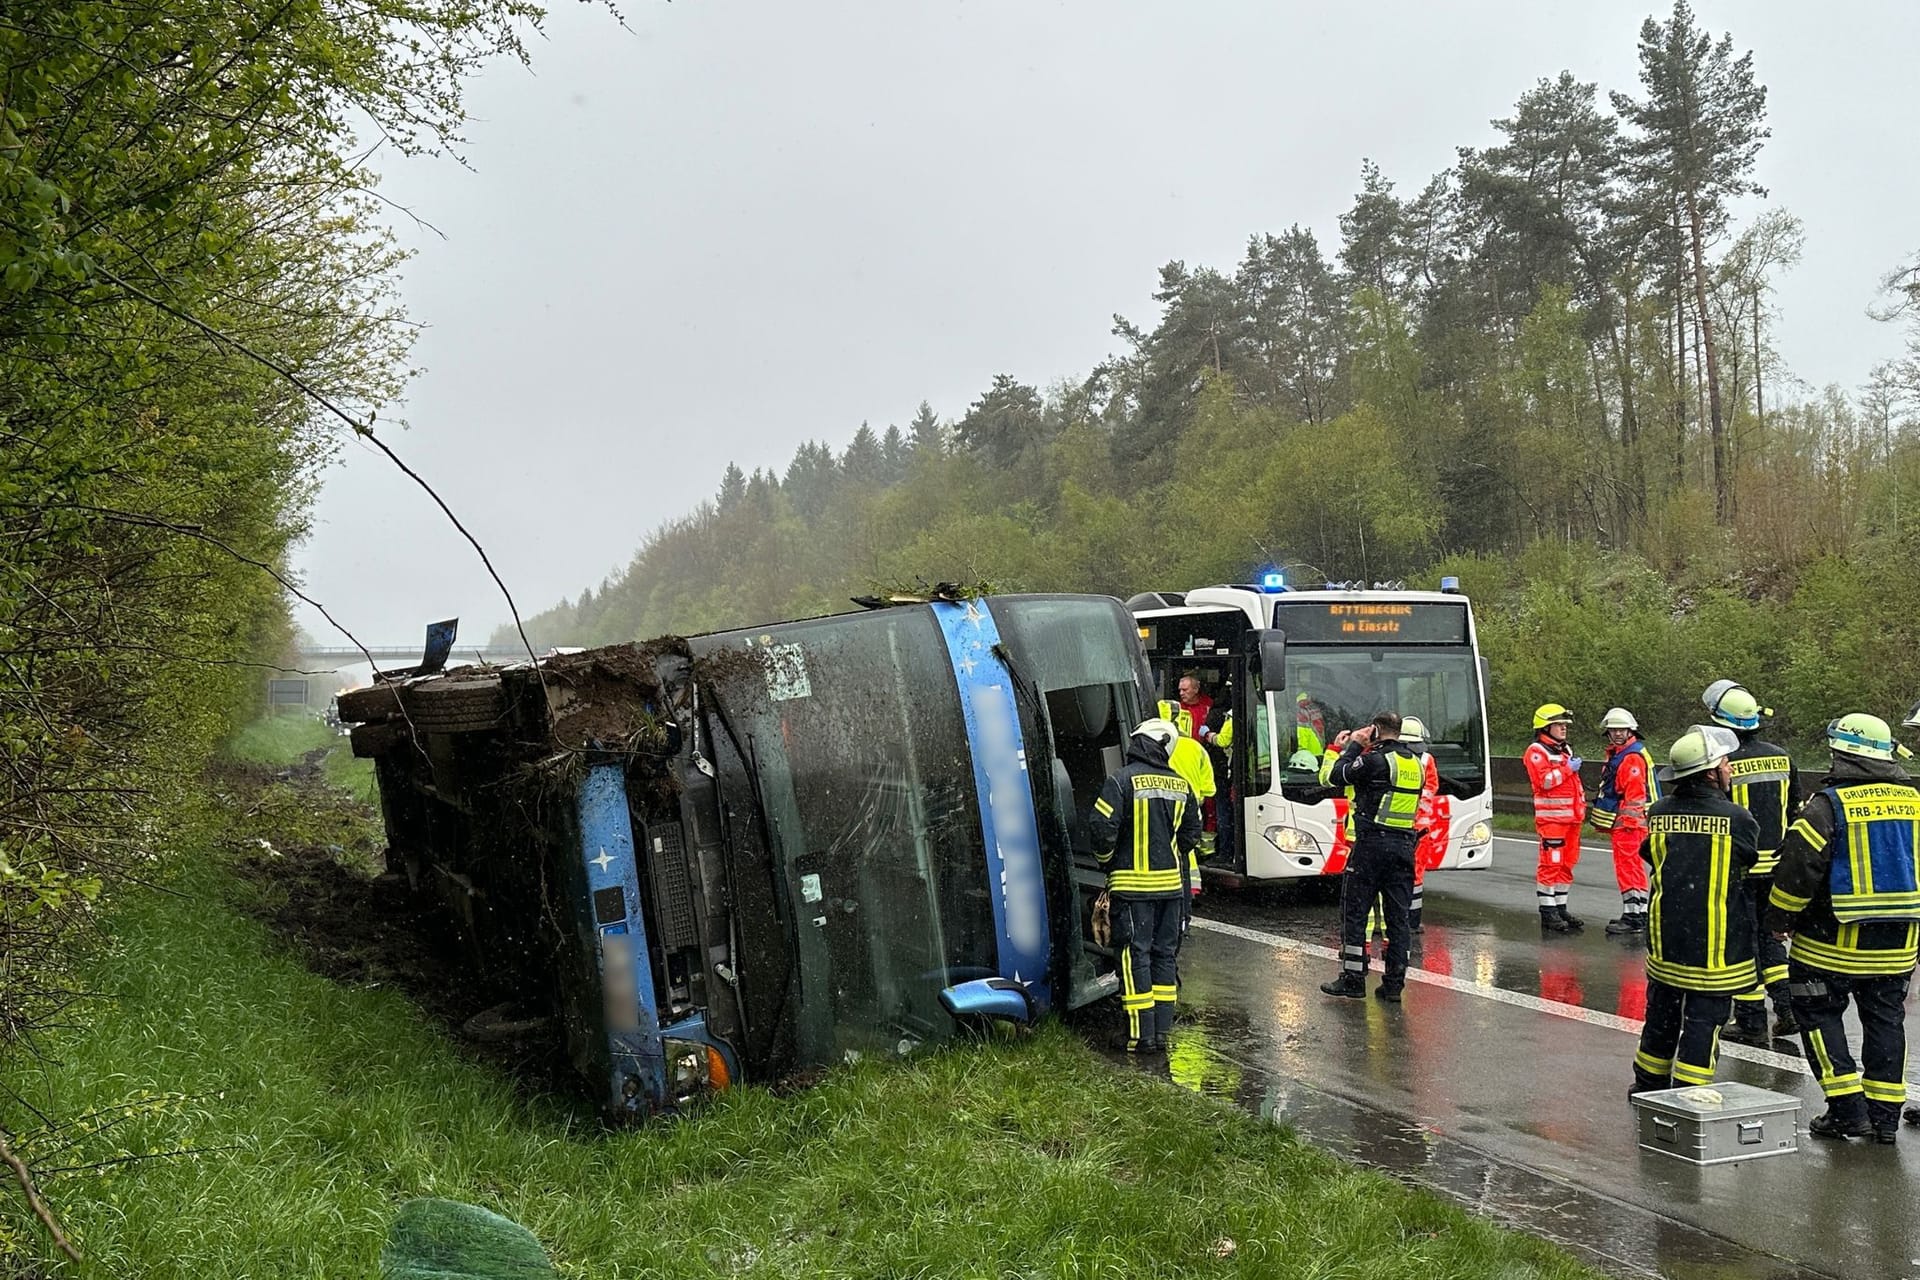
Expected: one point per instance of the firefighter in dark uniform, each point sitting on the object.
(1145, 825)
(1700, 945)
(1848, 890)
(1386, 780)
(1765, 784)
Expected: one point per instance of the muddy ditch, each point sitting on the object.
(335, 909)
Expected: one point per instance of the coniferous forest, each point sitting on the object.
(1549, 370)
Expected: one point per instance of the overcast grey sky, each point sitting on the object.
(736, 226)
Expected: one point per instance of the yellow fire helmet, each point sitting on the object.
(1861, 735)
(1698, 750)
(1412, 729)
(1731, 704)
(1618, 718)
(1551, 713)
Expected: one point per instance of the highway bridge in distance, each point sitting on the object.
(310, 682)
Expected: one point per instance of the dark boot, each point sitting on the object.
(1744, 1032)
(1911, 1115)
(1629, 925)
(1390, 991)
(1349, 984)
(1784, 1023)
(1843, 1118)
(1574, 923)
(1550, 922)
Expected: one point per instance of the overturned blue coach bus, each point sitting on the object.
(736, 856)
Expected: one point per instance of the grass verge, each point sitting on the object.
(288, 739)
(278, 1118)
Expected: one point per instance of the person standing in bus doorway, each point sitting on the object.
(1766, 785)
(1559, 806)
(1387, 781)
(1145, 826)
(1700, 949)
(1627, 787)
(1197, 705)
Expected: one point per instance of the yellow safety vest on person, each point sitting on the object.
(1191, 761)
(1400, 803)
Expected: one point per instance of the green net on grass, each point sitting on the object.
(447, 1240)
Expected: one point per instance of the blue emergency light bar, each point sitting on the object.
(1450, 585)
(1273, 580)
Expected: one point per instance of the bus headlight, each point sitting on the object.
(1479, 833)
(1291, 840)
(694, 1067)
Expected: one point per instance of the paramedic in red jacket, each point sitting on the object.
(1559, 807)
(1627, 787)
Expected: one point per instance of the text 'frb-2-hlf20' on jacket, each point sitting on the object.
(1143, 825)
(1700, 844)
(1848, 880)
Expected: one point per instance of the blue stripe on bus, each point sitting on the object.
(1008, 823)
(626, 969)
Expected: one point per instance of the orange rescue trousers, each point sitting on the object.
(1559, 851)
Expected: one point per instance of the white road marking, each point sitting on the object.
(1520, 1000)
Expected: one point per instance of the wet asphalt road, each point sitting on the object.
(1502, 1081)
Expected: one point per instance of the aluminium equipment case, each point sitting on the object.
(1719, 1123)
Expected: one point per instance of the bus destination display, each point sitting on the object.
(1371, 621)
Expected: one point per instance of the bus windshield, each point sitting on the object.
(866, 774)
(1331, 689)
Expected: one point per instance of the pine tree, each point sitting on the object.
(928, 436)
(1700, 127)
(733, 487)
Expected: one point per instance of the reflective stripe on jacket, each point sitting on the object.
(1557, 795)
(1145, 821)
(1699, 935)
(1851, 839)
(1627, 787)
(1765, 784)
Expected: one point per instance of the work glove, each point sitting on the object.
(1574, 763)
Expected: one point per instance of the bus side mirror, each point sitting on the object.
(1001, 999)
(1273, 659)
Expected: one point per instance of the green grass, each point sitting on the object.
(285, 739)
(317, 1109)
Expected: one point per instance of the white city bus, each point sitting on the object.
(1346, 655)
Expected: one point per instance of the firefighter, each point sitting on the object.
(1700, 948)
(1387, 781)
(1559, 805)
(1192, 761)
(1627, 787)
(1765, 784)
(1847, 888)
(1145, 826)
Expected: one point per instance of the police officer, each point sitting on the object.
(1387, 780)
(1145, 826)
(1700, 945)
(1847, 888)
(1765, 784)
